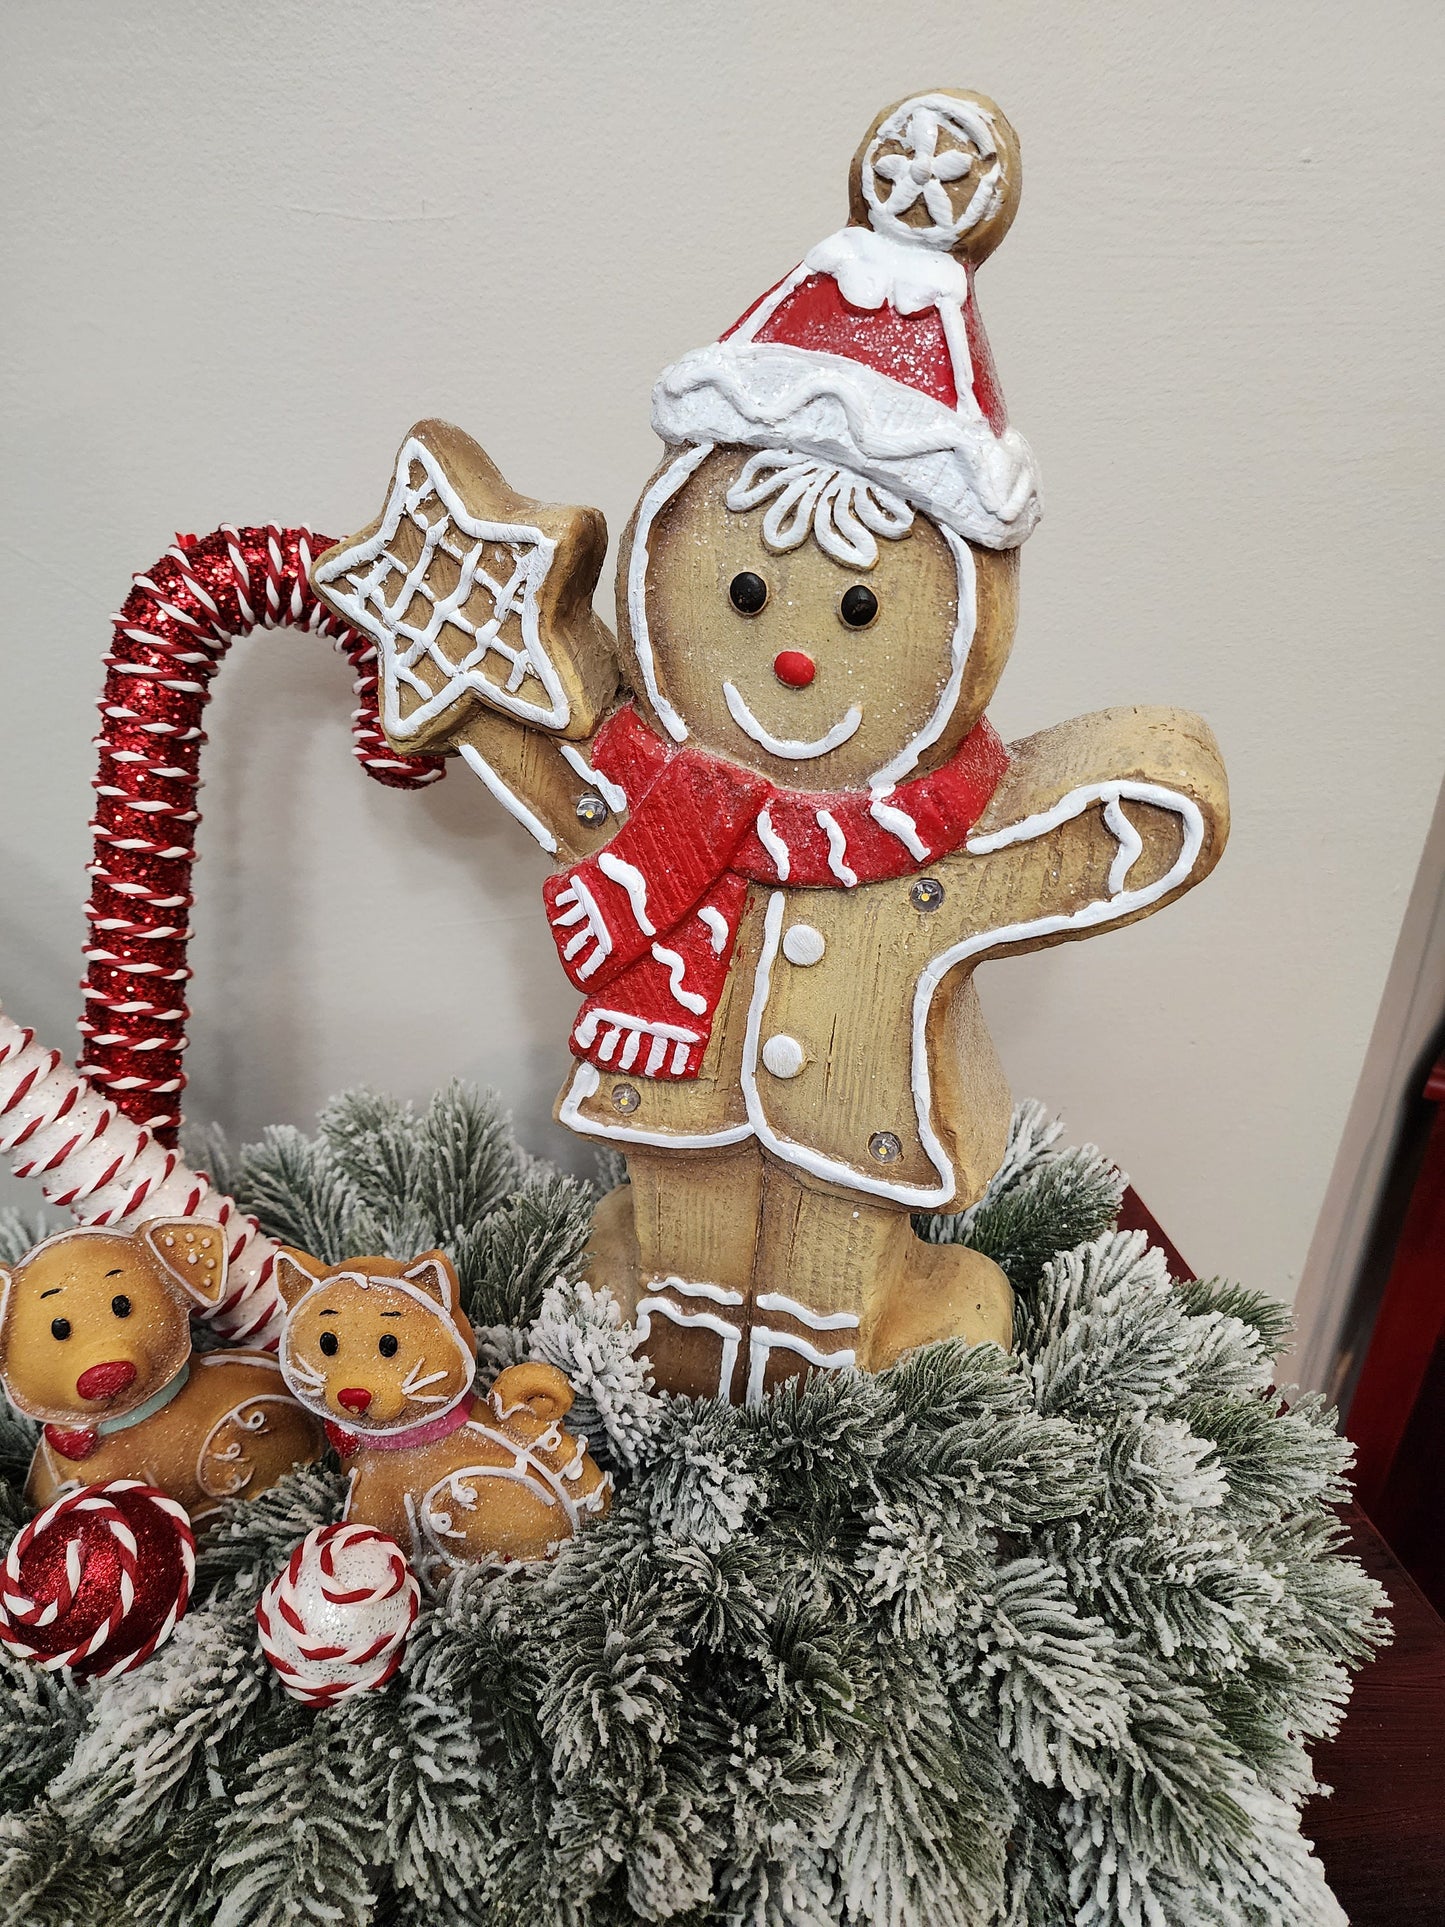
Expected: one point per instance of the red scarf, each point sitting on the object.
(647, 926)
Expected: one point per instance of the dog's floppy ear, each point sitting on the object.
(295, 1274)
(192, 1253)
(433, 1272)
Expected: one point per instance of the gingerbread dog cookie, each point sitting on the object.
(95, 1339)
(384, 1353)
(787, 834)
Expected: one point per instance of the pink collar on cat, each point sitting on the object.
(427, 1433)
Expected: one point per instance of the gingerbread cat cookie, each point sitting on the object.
(788, 845)
(383, 1352)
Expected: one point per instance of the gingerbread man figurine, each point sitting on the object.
(787, 834)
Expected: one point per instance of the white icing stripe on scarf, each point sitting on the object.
(837, 849)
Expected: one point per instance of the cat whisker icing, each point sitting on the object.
(411, 1385)
(305, 1376)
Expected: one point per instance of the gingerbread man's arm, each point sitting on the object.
(479, 602)
(546, 782)
(1099, 821)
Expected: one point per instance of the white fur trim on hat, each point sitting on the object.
(945, 462)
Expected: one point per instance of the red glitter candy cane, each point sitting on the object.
(170, 638)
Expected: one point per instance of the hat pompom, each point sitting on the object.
(939, 170)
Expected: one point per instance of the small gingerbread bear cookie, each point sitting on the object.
(95, 1341)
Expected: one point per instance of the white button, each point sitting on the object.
(802, 944)
(784, 1056)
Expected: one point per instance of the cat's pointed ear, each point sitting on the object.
(295, 1275)
(433, 1272)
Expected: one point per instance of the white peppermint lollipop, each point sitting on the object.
(336, 1621)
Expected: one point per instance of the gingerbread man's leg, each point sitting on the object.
(744, 1273)
(675, 1247)
(837, 1254)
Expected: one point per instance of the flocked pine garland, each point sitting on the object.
(1022, 1640)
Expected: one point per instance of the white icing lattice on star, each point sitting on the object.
(472, 592)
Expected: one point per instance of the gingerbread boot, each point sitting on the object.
(743, 1275)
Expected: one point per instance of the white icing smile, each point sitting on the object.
(789, 746)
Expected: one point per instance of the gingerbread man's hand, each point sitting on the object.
(1099, 821)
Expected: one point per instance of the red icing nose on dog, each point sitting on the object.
(794, 668)
(354, 1398)
(104, 1381)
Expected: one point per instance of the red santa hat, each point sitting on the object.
(870, 355)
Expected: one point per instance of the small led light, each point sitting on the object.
(591, 809)
(927, 893)
(625, 1097)
(884, 1148)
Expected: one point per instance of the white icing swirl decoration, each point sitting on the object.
(894, 182)
(844, 511)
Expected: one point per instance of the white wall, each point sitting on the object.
(245, 246)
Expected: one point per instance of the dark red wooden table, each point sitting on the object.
(1381, 1836)
(1397, 1414)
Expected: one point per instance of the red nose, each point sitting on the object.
(794, 668)
(354, 1398)
(104, 1381)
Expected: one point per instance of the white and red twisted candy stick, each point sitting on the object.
(335, 1620)
(90, 1534)
(170, 637)
(103, 1143)
(91, 1159)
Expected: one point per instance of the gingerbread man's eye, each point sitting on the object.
(858, 607)
(747, 593)
(329, 1343)
(386, 1344)
(120, 1305)
(60, 1328)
